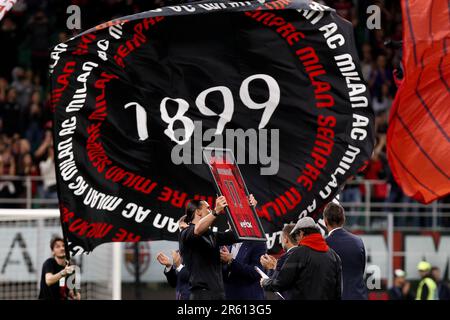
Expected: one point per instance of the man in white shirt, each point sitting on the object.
(176, 273)
(241, 280)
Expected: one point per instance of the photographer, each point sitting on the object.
(54, 272)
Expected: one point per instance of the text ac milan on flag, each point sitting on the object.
(136, 100)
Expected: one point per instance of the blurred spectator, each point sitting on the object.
(445, 220)
(402, 288)
(388, 9)
(47, 167)
(442, 287)
(9, 36)
(23, 87)
(406, 216)
(3, 89)
(382, 102)
(21, 148)
(34, 122)
(376, 170)
(351, 198)
(427, 289)
(24, 167)
(10, 113)
(27, 168)
(344, 8)
(367, 61)
(381, 74)
(39, 37)
(8, 187)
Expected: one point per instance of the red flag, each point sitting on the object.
(6, 5)
(418, 141)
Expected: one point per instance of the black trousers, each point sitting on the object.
(206, 295)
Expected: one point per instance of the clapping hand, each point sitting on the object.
(164, 260)
(268, 262)
(225, 255)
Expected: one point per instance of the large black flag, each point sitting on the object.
(137, 98)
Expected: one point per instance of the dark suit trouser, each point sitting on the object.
(206, 295)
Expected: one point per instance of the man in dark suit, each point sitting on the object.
(350, 249)
(176, 273)
(271, 264)
(240, 277)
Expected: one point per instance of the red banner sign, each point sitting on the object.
(229, 183)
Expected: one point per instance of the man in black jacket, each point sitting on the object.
(350, 249)
(200, 249)
(271, 264)
(312, 271)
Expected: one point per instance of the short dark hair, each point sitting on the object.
(54, 241)
(308, 231)
(334, 214)
(435, 269)
(190, 209)
(287, 229)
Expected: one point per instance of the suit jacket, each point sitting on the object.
(179, 281)
(240, 277)
(273, 274)
(350, 249)
(309, 274)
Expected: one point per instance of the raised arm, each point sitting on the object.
(204, 223)
(51, 279)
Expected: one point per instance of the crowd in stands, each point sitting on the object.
(27, 33)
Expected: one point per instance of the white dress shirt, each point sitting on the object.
(329, 233)
(235, 249)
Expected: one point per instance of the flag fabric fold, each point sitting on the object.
(418, 143)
